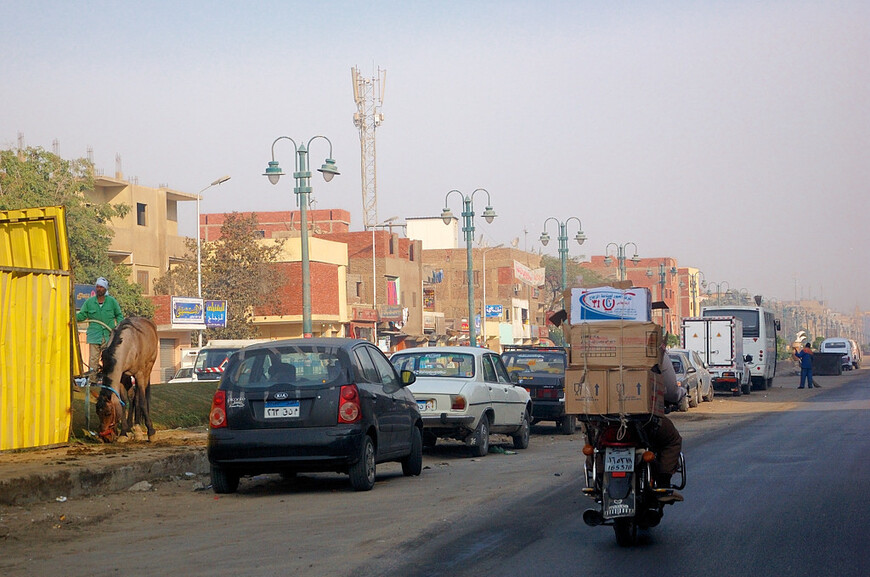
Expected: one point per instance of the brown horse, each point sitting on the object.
(131, 353)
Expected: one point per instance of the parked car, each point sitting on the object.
(465, 393)
(705, 378)
(687, 377)
(541, 371)
(323, 404)
(841, 346)
(183, 375)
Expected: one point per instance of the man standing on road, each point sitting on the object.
(105, 309)
(806, 358)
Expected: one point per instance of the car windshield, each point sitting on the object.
(212, 358)
(534, 361)
(436, 364)
(300, 366)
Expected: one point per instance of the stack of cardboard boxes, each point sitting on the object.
(613, 345)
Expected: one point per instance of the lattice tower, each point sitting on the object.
(368, 93)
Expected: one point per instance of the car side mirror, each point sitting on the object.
(408, 377)
(515, 378)
(747, 358)
(691, 370)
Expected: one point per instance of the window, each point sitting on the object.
(392, 244)
(142, 279)
(140, 214)
(365, 365)
(385, 369)
(392, 290)
(489, 370)
(359, 289)
(411, 252)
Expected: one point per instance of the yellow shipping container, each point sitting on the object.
(39, 349)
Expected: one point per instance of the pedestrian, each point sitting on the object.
(806, 358)
(105, 309)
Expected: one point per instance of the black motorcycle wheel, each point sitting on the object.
(626, 531)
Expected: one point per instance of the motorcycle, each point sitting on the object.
(620, 477)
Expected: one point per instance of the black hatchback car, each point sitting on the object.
(324, 404)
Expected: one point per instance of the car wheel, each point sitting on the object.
(362, 473)
(521, 439)
(481, 438)
(412, 465)
(709, 397)
(568, 424)
(223, 481)
(430, 439)
(694, 397)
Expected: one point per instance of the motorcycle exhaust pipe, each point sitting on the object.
(592, 517)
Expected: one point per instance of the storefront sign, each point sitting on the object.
(215, 314)
(187, 313)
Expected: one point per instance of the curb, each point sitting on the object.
(95, 479)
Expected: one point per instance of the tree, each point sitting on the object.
(235, 268)
(577, 276)
(33, 177)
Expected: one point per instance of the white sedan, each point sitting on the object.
(465, 393)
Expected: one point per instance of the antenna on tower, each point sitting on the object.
(119, 174)
(369, 96)
(55, 147)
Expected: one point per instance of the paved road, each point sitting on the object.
(783, 494)
(760, 494)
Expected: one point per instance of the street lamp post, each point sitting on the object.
(718, 286)
(217, 182)
(483, 281)
(563, 243)
(468, 229)
(693, 288)
(620, 257)
(303, 190)
(374, 272)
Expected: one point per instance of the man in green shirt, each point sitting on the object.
(105, 309)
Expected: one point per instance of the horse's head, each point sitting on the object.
(110, 411)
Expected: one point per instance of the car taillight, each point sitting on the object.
(457, 403)
(349, 410)
(217, 416)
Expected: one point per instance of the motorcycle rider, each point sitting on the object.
(663, 435)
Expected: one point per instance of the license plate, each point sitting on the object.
(427, 405)
(618, 460)
(281, 409)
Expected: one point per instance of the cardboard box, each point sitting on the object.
(614, 391)
(586, 391)
(635, 391)
(609, 303)
(614, 344)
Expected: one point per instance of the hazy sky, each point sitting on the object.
(731, 135)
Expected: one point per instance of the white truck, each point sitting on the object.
(719, 341)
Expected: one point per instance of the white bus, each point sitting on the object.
(759, 339)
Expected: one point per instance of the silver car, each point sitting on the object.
(693, 375)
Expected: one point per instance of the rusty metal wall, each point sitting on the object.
(39, 351)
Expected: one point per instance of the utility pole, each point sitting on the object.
(369, 96)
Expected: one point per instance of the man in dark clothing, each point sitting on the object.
(806, 358)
